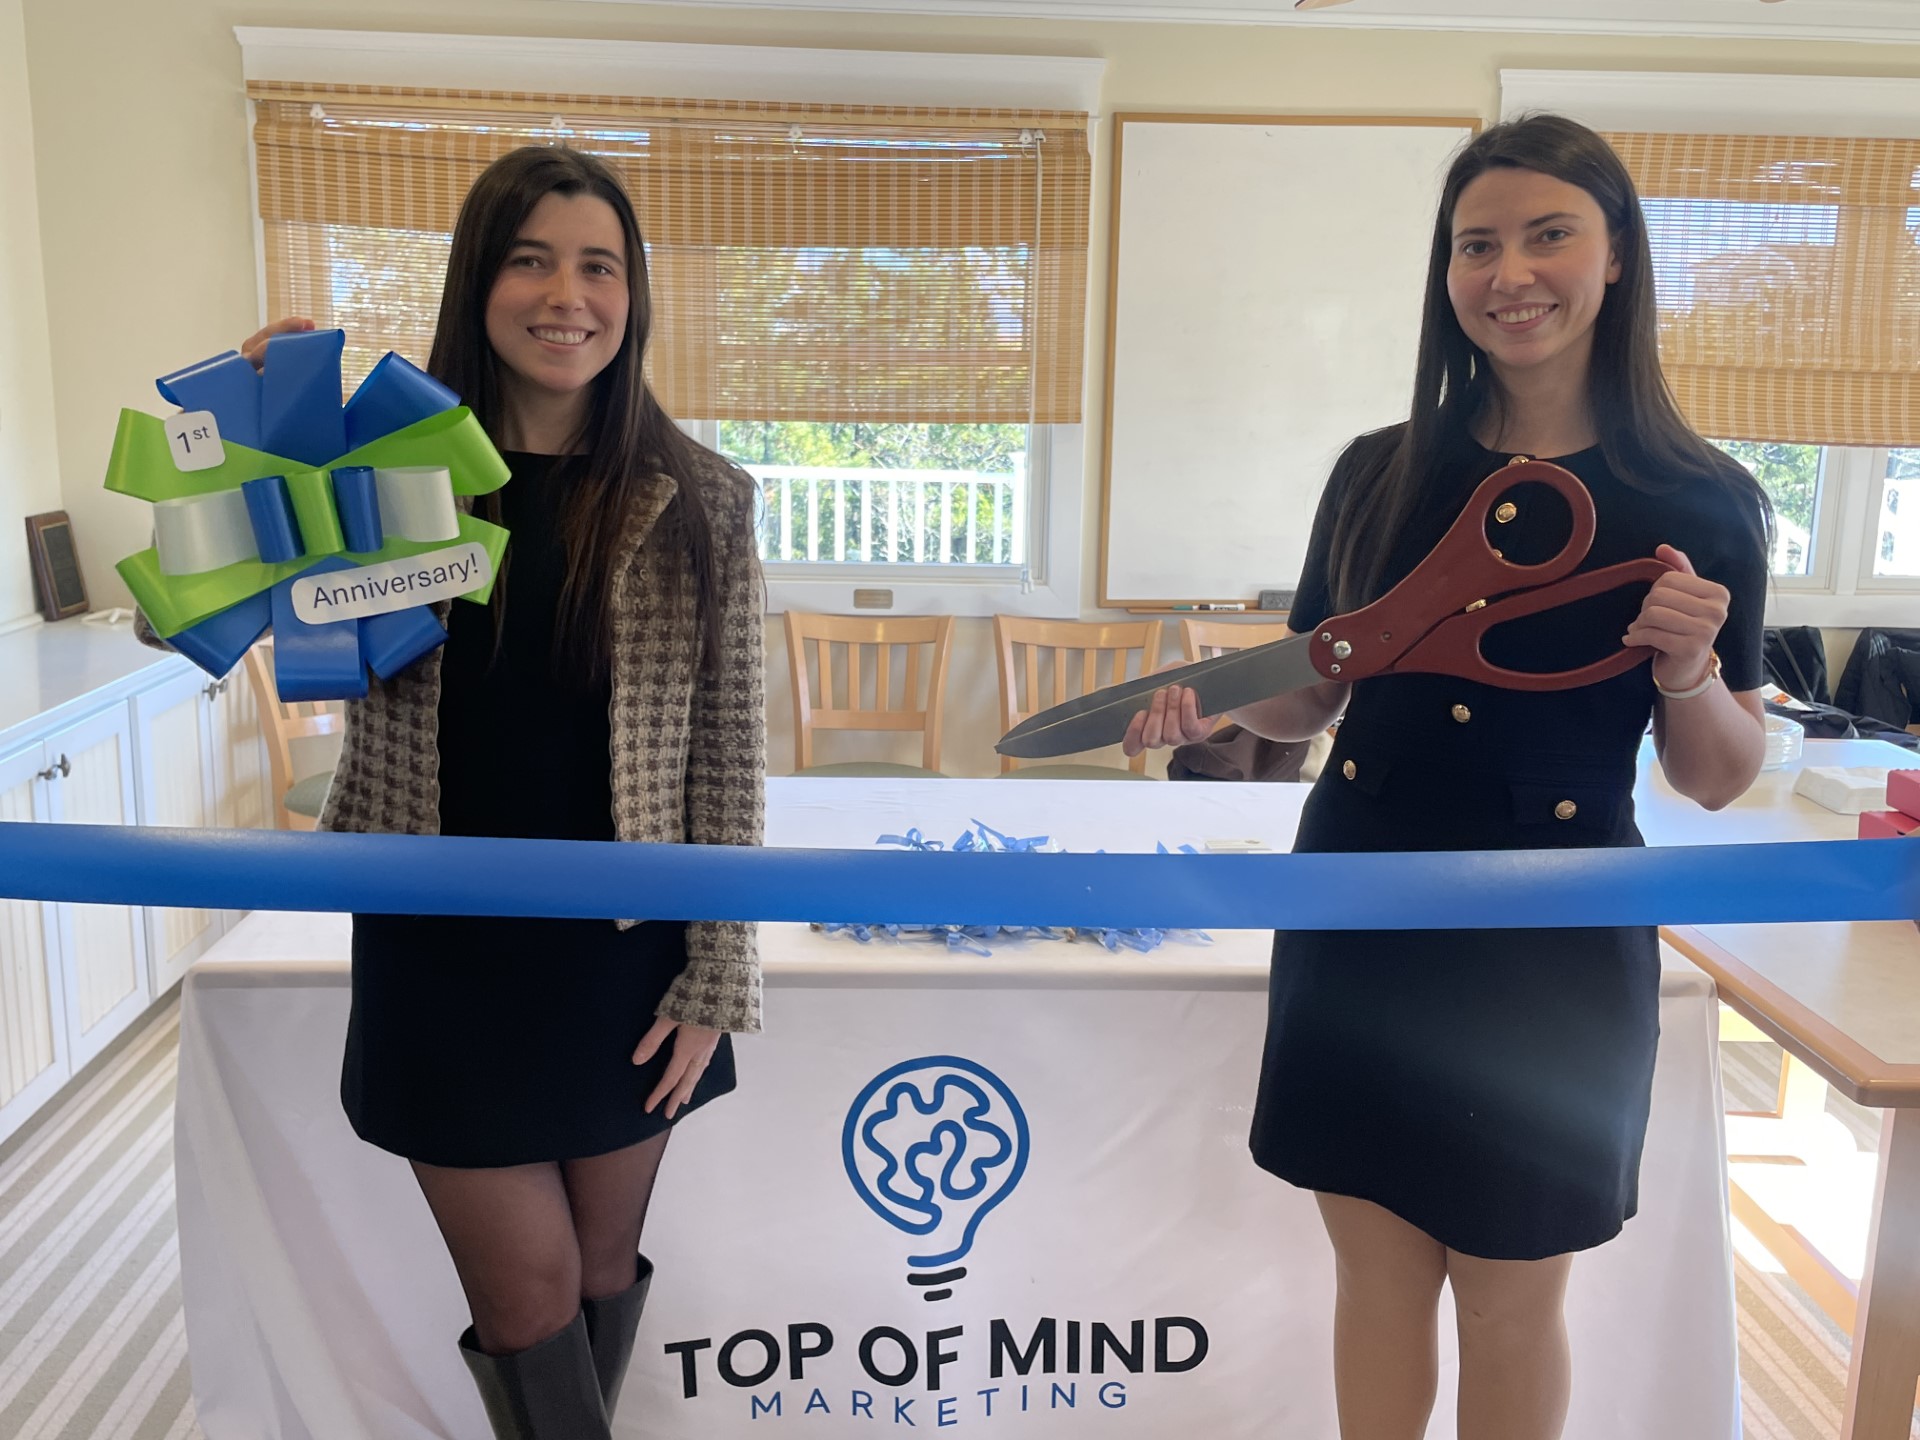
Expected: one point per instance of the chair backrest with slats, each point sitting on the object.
(1046, 662)
(868, 672)
(284, 723)
(1205, 639)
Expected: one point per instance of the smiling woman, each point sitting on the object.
(612, 689)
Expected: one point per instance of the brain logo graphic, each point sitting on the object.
(932, 1146)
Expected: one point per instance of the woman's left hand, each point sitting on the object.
(693, 1047)
(1679, 621)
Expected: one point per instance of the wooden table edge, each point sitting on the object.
(1849, 1066)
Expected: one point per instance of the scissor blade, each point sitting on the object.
(1224, 683)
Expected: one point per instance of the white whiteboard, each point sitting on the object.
(1264, 310)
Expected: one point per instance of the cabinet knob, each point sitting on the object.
(58, 770)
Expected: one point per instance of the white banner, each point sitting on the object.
(391, 585)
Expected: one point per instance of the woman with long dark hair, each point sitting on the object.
(1469, 1106)
(531, 1069)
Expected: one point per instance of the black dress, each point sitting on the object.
(1491, 1086)
(477, 1041)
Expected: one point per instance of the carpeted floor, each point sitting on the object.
(92, 1345)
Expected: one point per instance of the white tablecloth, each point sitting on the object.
(321, 1304)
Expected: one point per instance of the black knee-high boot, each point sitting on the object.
(546, 1392)
(611, 1325)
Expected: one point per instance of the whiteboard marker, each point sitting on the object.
(1236, 606)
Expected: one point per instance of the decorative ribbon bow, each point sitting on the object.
(336, 526)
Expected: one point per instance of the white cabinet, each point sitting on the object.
(103, 949)
(202, 764)
(174, 725)
(33, 1026)
(95, 729)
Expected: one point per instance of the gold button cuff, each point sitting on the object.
(1565, 810)
(1349, 770)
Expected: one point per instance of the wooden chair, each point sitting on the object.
(1205, 639)
(867, 645)
(1020, 644)
(296, 802)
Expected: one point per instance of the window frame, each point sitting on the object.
(1046, 587)
(1050, 588)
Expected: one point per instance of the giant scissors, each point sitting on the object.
(1431, 623)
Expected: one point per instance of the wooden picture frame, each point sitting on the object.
(58, 586)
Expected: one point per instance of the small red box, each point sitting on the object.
(1887, 825)
(1903, 792)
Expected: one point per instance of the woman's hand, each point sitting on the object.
(1173, 718)
(693, 1047)
(254, 348)
(1679, 620)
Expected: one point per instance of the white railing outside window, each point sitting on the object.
(816, 514)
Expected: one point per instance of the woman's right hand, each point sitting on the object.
(1173, 718)
(254, 348)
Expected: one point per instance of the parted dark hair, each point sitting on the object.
(626, 437)
(1647, 441)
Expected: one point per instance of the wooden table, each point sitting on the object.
(1844, 1001)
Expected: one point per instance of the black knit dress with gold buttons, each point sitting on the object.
(1491, 1086)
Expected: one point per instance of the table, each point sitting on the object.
(1844, 1001)
(320, 1302)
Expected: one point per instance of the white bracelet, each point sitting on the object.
(1713, 674)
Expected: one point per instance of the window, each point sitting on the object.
(889, 494)
(880, 312)
(1791, 476)
(1898, 523)
(1787, 275)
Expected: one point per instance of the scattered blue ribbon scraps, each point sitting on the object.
(1797, 882)
(979, 839)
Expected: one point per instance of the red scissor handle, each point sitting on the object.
(1453, 646)
(1433, 621)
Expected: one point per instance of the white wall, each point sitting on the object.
(29, 468)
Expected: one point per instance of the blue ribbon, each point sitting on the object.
(292, 408)
(452, 875)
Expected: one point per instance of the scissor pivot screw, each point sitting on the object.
(1506, 511)
(1341, 650)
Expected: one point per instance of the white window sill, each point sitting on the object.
(1881, 609)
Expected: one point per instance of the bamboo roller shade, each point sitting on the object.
(807, 262)
(1788, 272)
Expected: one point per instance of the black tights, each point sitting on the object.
(530, 1240)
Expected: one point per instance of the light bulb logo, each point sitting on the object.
(932, 1145)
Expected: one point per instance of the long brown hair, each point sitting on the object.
(1646, 440)
(627, 436)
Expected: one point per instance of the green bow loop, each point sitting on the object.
(142, 465)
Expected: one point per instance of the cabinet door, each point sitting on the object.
(103, 949)
(33, 1037)
(240, 783)
(174, 751)
(241, 787)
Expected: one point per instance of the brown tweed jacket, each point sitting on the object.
(689, 747)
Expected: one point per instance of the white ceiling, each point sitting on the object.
(1860, 20)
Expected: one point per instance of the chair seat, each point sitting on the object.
(308, 796)
(871, 770)
(1072, 772)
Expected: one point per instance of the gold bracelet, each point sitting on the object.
(1713, 674)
